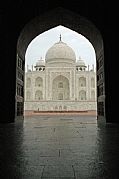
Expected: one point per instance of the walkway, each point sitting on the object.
(59, 147)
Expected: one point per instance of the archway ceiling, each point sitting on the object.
(63, 17)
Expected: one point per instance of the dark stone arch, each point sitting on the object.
(59, 16)
(72, 21)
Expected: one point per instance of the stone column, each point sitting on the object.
(70, 87)
(76, 86)
(46, 84)
(33, 78)
(43, 89)
(88, 83)
(72, 84)
(50, 86)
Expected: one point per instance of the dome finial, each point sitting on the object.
(60, 38)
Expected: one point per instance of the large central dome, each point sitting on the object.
(60, 52)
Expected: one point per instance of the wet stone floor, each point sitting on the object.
(59, 147)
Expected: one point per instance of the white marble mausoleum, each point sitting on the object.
(60, 82)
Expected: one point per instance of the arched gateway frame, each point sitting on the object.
(60, 88)
(71, 20)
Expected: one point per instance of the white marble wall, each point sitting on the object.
(48, 76)
(51, 105)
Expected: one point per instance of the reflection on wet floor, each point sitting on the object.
(52, 147)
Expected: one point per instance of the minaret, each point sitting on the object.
(93, 67)
(27, 67)
(88, 67)
(32, 67)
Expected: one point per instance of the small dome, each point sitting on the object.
(40, 63)
(80, 63)
(60, 52)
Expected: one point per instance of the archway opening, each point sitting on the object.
(64, 70)
(81, 26)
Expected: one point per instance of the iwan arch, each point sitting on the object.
(74, 22)
(60, 82)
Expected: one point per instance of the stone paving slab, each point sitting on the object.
(22, 172)
(58, 171)
(57, 178)
(58, 147)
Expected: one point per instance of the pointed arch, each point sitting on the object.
(82, 82)
(82, 95)
(39, 82)
(69, 19)
(60, 88)
(60, 96)
(38, 95)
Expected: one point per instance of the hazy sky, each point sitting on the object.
(39, 46)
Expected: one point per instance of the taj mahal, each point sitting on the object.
(60, 82)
